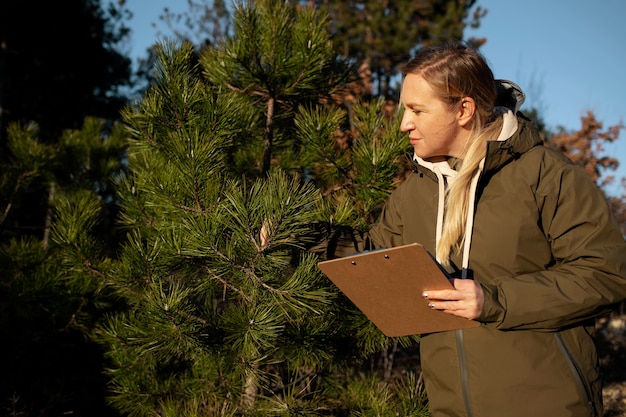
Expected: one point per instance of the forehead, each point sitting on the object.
(416, 91)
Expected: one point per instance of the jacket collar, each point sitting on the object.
(501, 152)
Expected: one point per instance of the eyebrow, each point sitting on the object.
(413, 105)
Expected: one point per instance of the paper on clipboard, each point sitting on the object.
(387, 285)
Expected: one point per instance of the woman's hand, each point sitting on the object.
(465, 300)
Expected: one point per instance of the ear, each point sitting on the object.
(467, 109)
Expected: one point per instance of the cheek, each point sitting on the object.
(429, 132)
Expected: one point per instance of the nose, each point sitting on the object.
(407, 123)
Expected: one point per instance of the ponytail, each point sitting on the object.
(458, 194)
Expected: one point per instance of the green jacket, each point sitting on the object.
(550, 258)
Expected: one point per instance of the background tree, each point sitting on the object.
(206, 23)
(382, 35)
(61, 76)
(585, 147)
(378, 36)
(618, 206)
(49, 367)
(74, 70)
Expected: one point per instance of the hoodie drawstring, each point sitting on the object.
(469, 221)
(445, 175)
(440, 209)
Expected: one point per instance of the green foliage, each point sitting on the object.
(25, 166)
(52, 298)
(30, 282)
(357, 176)
(204, 294)
(44, 313)
(256, 60)
(279, 58)
(29, 155)
(406, 398)
(92, 156)
(221, 310)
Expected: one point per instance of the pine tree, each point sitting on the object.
(46, 309)
(221, 309)
(280, 58)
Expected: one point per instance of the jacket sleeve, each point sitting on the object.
(387, 232)
(588, 272)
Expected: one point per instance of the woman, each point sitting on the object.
(530, 237)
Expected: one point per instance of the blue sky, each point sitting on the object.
(568, 55)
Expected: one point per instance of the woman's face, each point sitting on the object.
(434, 127)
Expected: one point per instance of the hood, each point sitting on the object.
(518, 134)
(510, 95)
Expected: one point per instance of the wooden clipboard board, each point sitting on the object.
(387, 285)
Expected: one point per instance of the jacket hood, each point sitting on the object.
(510, 95)
(518, 135)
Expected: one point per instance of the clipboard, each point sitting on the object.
(387, 285)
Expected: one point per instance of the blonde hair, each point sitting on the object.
(455, 71)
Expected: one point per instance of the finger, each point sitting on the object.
(447, 295)
(445, 305)
(457, 308)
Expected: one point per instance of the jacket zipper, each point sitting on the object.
(582, 381)
(463, 368)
